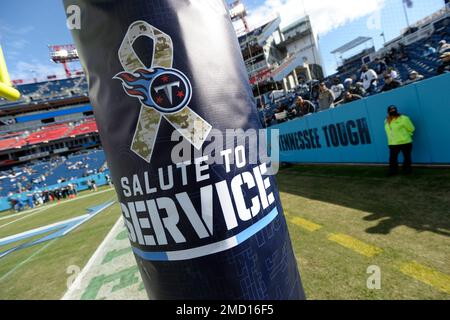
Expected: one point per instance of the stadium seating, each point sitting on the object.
(6, 144)
(412, 59)
(48, 90)
(416, 60)
(48, 133)
(86, 127)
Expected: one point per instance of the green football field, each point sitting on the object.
(350, 227)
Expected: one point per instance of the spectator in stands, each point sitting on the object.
(358, 89)
(315, 92)
(348, 83)
(338, 89)
(369, 79)
(443, 47)
(380, 66)
(388, 57)
(445, 64)
(414, 76)
(281, 108)
(429, 51)
(392, 72)
(399, 130)
(281, 113)
(326, 97)
(302, 107)
(348, 97)
(390, 83)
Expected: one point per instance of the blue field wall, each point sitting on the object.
(80, 185)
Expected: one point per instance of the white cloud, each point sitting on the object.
(28, 70)
(7, 31)
(13, 39)
(17, 43)
(326, 15)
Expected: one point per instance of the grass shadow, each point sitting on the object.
(420, 201)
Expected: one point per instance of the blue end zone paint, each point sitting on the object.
(427, 103)
(218, 246)
(62, 228)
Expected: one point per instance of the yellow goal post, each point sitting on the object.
(6, 89)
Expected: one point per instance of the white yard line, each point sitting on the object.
(24, 212)
(100, 250)
(31, 214)
(17, 266)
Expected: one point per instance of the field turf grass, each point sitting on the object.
(399, 224)
(342, 220)
(41, 271)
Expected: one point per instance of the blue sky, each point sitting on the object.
(27, 26)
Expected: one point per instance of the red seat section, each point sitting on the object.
(48, 133)
(86, 127)
(11, 143)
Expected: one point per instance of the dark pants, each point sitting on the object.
(406, 149)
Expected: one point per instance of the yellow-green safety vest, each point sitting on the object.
(399, 131)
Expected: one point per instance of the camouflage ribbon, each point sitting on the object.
(189, 124)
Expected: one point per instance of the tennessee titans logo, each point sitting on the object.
(165, 89)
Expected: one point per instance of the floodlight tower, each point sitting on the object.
(64, 54)
(238, 12)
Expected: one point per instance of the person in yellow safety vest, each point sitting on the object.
(399, 131)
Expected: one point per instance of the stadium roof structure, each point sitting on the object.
(286, 67)
(352, 44)
(261, 33)
(296, 23)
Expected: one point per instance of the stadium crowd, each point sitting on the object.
(41, 181)
(37, 198)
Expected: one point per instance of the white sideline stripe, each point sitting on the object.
(26, 260)
(54, 204)
(75, 285)
(83, 218)
(26, 212)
